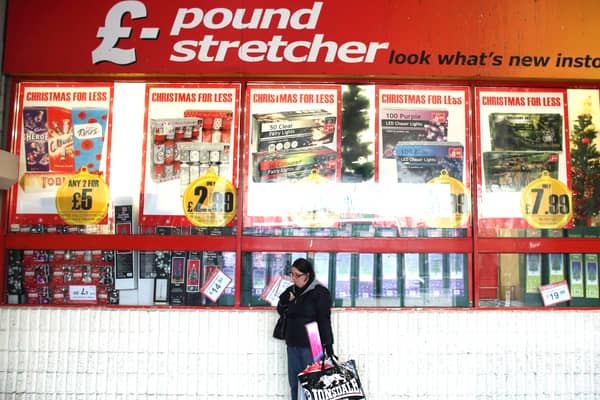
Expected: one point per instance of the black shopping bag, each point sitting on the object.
(331, 380)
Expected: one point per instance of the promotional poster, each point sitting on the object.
(521, 134)
(61, 129)
(292, 153)
(189, 128)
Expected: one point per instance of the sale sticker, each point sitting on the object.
(451, 208)
(277, 286)
(546, 203)
(555, 293)
(210, 200)
(215, 285)
(82, 199)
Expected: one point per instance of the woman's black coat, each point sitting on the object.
(312, 304)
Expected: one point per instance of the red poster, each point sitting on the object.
(60, 128)
(522, 134)
(188, 128)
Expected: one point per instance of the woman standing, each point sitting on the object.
(307, 300)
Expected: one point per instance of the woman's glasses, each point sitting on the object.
(298, 275)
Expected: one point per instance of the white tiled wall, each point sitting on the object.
(85, 354)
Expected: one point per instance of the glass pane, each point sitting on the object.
(341, 160)
(150, 139)
(519, 280)
(364, 279)
(97, 277)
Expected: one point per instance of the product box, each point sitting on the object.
(343, 280)
(512, 171)
(166, 136)
(147, 274)
(321, 266)
(289, 130)
(193, 279)
(89, 130)
(389, 275)
(399, 125)
(228, 267)
(216, 125)
(125, 271)
(419, 162)
(35, 138)
(196, 158)
(258, 278)
(294, 165)
(60, 140)
(177, 283)
(525, 131)
(413, 280)
(365, 291)
(591, 277)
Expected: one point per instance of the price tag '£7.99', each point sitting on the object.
(546, 203)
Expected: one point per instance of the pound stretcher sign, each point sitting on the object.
(82, 199)
(546, 203)
(210, 200)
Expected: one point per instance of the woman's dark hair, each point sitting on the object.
(304, 266)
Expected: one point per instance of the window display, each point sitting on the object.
(292, 155)
(522, 136)
(372, 182)
(524, 277)
(60, 129)
(365, 280)
(176, 278)
(423, 135)
(190, 130)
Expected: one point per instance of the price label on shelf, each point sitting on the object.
(555, 293)
(210, 200)
(82, 294)
(451, 207)
(215, 285)
(546, 203)
(82, 199)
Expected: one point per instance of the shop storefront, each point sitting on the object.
(439, 167)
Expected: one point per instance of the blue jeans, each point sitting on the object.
(298, 359)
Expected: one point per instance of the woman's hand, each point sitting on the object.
(292, 297)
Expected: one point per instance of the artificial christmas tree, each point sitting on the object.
(585, 168)
(355, 153)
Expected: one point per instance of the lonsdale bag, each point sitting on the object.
(330, 380)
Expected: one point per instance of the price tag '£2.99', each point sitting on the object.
(210, 200)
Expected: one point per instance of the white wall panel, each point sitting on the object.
(81, 353)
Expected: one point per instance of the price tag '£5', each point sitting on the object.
(82, 199)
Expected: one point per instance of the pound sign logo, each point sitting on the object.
(112, 32)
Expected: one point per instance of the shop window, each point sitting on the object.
(355, 160)
(363, 280)
(189, 190)
(539, 280)
(106, 277)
